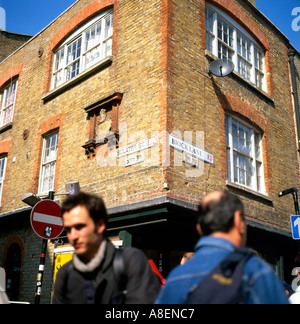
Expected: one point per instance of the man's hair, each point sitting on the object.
(217, 215)
(94, 204)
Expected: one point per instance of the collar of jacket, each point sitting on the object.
(213, 242)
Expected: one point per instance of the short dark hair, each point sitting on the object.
(94, 204)
(218, 215)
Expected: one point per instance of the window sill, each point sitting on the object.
(6, 127)
(261, 92)
(253, 193)
(53, 93)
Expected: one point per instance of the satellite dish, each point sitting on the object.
(221, 68)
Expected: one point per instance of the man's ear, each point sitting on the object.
(239, 222)
(101, 226)
(199, 229)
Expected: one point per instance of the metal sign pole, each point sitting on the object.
(40, 275)
(296, 202)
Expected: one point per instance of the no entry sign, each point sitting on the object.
(46, 219)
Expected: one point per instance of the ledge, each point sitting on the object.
(253, 193)
(53, 93)
(6, 127)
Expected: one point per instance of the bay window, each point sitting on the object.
(227, 40)
(89, 45)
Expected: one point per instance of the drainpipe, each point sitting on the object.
(291, 54)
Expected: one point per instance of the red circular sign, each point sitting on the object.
(46, 219)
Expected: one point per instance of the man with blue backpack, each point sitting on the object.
(222, 271)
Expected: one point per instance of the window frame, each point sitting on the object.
(254, 155)
(101, 49)
(11, 106)
(3, 165)
(248, 62)
(45, 163)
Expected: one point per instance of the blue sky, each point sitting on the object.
(280, 13)
(31, 16)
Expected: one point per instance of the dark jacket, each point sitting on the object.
(142, 284)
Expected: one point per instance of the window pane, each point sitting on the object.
(244, 69)
(258, 146)
(224, 52)
(228, 164)
(241, 169)
(74, 51)
(2, 169)
(235, 136)
(108, 48)
(209, 20)
(225, 32)
(258, 58)
(247, 168)
(244, 47)
(259, 79)
(49, 163)
(60, 59)
(248, 172)
(59, 78)
(93, 37)
(10, 94)
(108, 26)
(8, 115)
(209, 42)
(93, 57)
(259, 176)
(236, 167)
(73, 70)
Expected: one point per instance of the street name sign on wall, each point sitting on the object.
(46, 219)
(185, 147)
(295, 221)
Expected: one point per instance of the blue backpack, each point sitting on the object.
(224, 284)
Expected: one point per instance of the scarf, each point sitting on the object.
(94, 263)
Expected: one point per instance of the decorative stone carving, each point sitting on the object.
(103, 117)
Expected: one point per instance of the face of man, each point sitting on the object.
(82, 232)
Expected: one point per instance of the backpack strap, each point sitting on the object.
(66, 280)
(121, 278)
(224, 284)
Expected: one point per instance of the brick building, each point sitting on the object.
(9, 42)
(94, 97)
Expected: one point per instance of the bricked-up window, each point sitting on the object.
(3, 160)
(7, 102)
(49, 154)
(89, 45)
(227, 40)
(244, 155)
